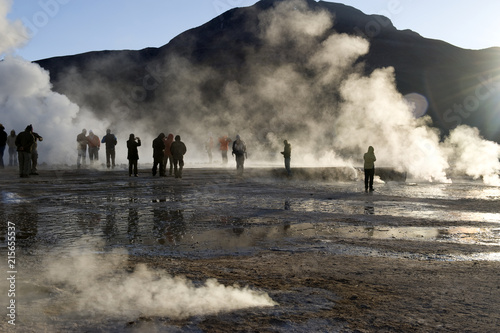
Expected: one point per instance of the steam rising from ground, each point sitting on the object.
(304, 83)
(94, 284)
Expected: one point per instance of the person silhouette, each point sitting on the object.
(369, 168)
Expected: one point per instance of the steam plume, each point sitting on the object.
(100, 285)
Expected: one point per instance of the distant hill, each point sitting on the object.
(198, 69)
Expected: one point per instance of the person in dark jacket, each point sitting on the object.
(3, 144)
(133, 154)
(287, 153)
(110, 140)
(240, 151)
(178, 150)
(24, 144)
(158, 155)
(369, 168)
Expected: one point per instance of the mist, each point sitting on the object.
(101, 284)
(305, 83)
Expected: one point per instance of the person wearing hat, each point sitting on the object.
(24, 144)
(3, 143)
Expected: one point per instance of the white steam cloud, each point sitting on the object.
(318, 98)
(97, 284)
(303, 83)
(13, 33)
(26, 97)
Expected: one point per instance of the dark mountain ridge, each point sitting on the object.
(460, 85)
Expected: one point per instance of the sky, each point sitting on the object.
(66, 27)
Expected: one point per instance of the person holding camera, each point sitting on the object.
(133, 154)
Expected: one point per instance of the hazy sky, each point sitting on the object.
(64, 27)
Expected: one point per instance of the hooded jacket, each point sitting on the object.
(369, 158)
(178, 148)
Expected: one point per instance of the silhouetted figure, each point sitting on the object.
(3, 144)
(178, 150)
(287, 153)
(11, 142)
(133, 154)
(81, 147)
(110, 140)
(94, 146)
(34, 154)
(209, 146)
(168, 159)
(369, 167)
(224, 142)
(158, 155)
(24, 144)
(240, 151)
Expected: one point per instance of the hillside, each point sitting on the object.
(199, 69)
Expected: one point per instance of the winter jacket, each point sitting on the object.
(158, 147)
(110, 141)
(178, 149)
(133, 152)
(25, 141)
(370, 158)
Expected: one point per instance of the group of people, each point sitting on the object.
(167, 150)
(25, 145)
(93, 144)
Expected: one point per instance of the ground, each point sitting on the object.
(410, 257)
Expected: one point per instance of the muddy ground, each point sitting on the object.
(410, 257)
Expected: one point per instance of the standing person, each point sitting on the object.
(94, 146)
(110, 140)
(133, 154)
(240, 151)
(369, 167)
(209, 146)
(34, 154)
(287, 153)
(168, 155)
(11, 142)
(178, 150)
(81, 146)
(24, 144)
(158, 155)
(224, 142)
(3, 144)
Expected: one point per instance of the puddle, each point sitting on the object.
(222, 213)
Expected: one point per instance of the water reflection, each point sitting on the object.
(169, 226)
(369, 208)
(132, 222)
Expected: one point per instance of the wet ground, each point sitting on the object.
(410, 256)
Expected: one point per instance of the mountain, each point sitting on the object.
(204, 70)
